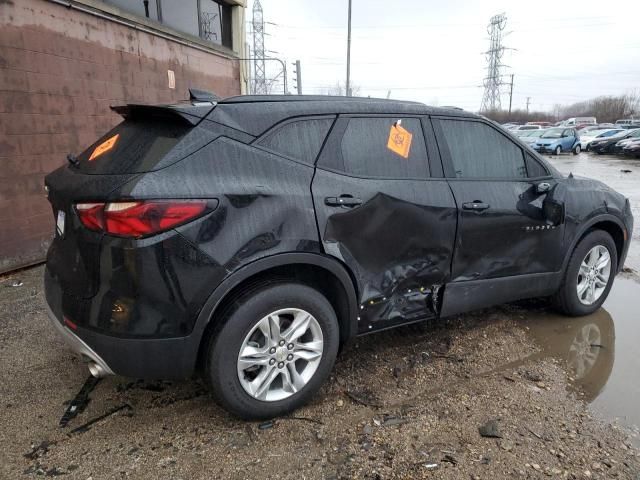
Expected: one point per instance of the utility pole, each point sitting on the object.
(298, 80)
(493, 80)
(511, 93)
(528, 101)
(348, 85)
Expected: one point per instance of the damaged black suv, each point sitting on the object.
(249, 238)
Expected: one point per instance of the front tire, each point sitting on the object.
(589, 275)
(275, 349)
(558, 150)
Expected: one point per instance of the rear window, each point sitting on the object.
(133, 146)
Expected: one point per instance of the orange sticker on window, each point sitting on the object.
(399, 140)
(104, 146)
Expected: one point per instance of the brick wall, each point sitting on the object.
(60, 70)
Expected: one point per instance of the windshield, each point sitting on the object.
(609, 133)
(594, 133)
(553, 133)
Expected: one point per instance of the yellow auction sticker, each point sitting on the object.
(105, 146)
(399, 140)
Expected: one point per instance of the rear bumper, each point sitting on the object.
(78, 345)
(156, 358)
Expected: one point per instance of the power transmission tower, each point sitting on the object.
(259, 75)
(493, 80)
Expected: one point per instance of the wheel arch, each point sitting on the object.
(322, 272)
(610, 224)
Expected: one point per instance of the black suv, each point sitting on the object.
(249, 238)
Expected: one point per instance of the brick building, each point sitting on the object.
(63, 63)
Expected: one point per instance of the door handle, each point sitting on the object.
(476, 205)
(342, 201)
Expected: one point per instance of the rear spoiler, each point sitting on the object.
(190, 113)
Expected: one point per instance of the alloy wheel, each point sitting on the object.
(280, 354)
(593, 275)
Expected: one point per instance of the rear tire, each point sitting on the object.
(260, 368)
(577, 149)
(581, 278)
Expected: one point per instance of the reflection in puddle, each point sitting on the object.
(600, 352)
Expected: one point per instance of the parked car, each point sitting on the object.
(249, 238)
(530, 136)
(620, 144)
(611, 144)
(558, 140)
(635, 122)
(574, 122)
(632, 149)
(542, 124)
(525, 128)
(587, 138)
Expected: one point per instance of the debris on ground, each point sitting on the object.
(490, 429)
(78, 404)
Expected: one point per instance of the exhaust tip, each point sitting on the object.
(96, 370)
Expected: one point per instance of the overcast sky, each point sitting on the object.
(431, 51)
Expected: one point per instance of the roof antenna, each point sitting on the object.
(196, 95)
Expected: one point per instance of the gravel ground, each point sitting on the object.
(407, 403)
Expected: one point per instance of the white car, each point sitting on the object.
(524, 128)
(530, 136)
(588, 137)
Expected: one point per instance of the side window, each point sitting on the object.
(301, 139)
(568, 133)
(534, 167)
(371, 147)
(479, 151)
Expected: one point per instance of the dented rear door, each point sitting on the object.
(383, 212)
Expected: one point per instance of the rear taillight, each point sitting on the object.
(138, 219)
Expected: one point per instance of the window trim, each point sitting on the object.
(447, 161)
(333, 148)
(300, 118)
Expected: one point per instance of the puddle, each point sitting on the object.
(600, 352)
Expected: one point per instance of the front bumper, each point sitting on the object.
(544, 148)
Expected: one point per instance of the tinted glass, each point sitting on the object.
(301, 140)
(534, 167)
(479, 151)
(366, 153)
(137, 146)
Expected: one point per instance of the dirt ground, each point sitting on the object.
(407, 403)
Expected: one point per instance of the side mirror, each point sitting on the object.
(543, 187)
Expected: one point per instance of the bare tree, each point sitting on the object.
(339, 90)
